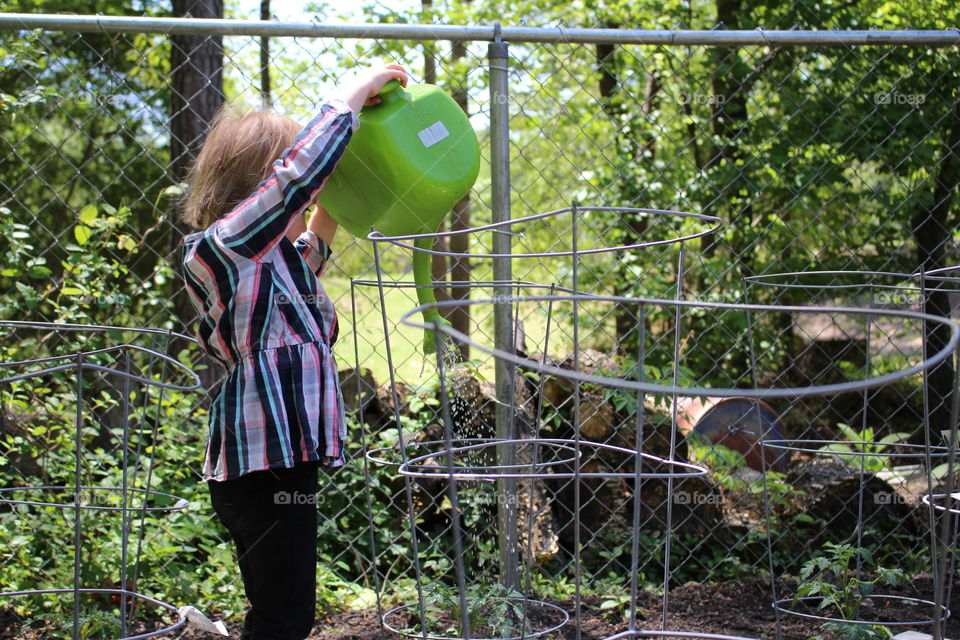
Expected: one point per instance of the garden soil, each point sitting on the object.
(736, 608)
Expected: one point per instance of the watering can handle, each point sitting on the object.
(391, 90)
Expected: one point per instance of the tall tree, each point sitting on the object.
(933, 232)
(196, 63)
(196, 96)
(459, 220)
(438, 264)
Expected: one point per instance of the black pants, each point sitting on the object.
(272, 517)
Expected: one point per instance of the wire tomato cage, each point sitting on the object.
(104, 361)
(876, 293)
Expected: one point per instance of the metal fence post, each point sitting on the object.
(503, 309)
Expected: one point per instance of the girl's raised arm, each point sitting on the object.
(258, 223)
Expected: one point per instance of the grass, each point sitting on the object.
(406, 342)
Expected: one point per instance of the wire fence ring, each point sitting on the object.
(569, 445)
(464, 284)
(84, 364)
(940, 275)
(410, 319)
(918, 278)
(178, 504)
(764, 280)
(663, 633)
(96, 328)
(930, 499)
(95, 367)
(373, 455)
(181, 619)
(944, 611)
(416, 467)
(526, 601)
(376, 236)
(807, 446)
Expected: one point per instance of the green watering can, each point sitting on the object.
(413, 157)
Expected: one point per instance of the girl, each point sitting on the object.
(252, 274)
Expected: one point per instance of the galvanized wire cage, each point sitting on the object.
(127, 381)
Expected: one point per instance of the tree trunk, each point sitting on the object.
(197, 66)
(637, 150)
(460, 219)
(730, 84)
(196, 96)
(607, 86)
(932, 231)
(438, 264)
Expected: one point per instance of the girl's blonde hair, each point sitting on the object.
(237, 155)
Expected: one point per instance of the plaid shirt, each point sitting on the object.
(265, 316)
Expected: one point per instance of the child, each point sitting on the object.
(252, 274)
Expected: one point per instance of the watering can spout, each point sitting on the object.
(423, 276)
(431, 337)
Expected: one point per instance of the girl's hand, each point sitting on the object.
(363, 88)
(381, 76)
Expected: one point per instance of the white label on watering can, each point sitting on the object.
(433, 134)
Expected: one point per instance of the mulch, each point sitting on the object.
(734, 608)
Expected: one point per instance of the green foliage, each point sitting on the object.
(627, 368)
(831, 578)
(492, 610)
(95, 624)
(850, 631)
(866, 448)
(615, 604)
(723, 463)
(718, 458)
(85, 170)
(19, 56)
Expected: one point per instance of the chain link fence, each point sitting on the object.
(832, 157)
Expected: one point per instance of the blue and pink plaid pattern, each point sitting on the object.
(265, 316)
